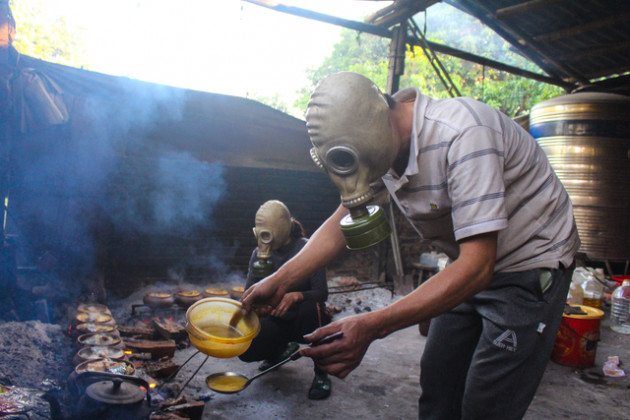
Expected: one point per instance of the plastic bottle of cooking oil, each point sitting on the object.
(579, 275)
(576, 294)
(620, 309)
(593, 289)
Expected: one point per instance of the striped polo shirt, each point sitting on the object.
(473, 170)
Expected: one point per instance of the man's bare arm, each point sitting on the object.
(466, 276)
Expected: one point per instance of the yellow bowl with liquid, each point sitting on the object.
(209, 330)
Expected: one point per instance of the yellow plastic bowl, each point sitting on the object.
(208, 327)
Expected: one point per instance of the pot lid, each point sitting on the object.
(115, 391)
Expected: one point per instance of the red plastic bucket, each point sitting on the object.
(576, 342)
(620, 278)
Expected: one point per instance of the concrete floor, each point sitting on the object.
(385, 386)
(570, 393)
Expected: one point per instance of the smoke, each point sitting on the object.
(173, 193)
(210, 261)
(75, 184)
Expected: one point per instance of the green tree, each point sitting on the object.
(362, 53)
(48, 38)
(510, 93)
(274, 102)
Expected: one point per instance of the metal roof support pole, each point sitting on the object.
(440, 70)
(395, 70)
(397, 49)
(8, 128)
(398, 265)
(5, 164)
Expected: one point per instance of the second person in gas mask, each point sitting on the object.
(302, 309)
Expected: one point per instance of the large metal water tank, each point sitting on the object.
(587, 139)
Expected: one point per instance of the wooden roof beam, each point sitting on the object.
(576, 30)
(611, 84)
(617, 72)
(516, 38)
(398, 12)
(522, 8)
(322, 17)
(600, 50)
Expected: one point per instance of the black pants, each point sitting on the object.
(485, 358)
(276, 333)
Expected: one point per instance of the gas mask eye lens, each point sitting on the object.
(342, 160)
(265, 237)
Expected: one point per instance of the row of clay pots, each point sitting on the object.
(93, 324)
(185, 298)
(99, 342)
(119, 366)
(92, 314)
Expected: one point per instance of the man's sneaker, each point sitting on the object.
(320, 388)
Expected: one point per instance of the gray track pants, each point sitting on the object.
(485, 358)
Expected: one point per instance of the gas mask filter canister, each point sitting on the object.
(348, 122)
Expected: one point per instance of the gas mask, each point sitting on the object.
(348, 122)
(272, 230)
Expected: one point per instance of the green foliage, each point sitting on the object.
(48, 38)
(368, 55)
(361, 53)
(274, 102)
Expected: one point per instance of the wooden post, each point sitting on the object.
(397, 57)
(396, 69)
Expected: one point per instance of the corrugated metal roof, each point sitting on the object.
(578, 41)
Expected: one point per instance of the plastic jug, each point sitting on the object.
(580, 275)
(576, 294)
(620, 309)
(593, 289)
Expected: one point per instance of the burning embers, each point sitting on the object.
(120, 370)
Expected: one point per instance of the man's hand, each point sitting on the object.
(287, 301)
(262, 310)
(340, 357)
(265, 293)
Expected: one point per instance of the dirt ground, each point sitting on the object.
(385, 385)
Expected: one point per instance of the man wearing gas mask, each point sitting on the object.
(475, 184)
(303, 307)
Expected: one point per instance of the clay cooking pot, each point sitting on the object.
(158, 300)
(208, 293)
(185, 298)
